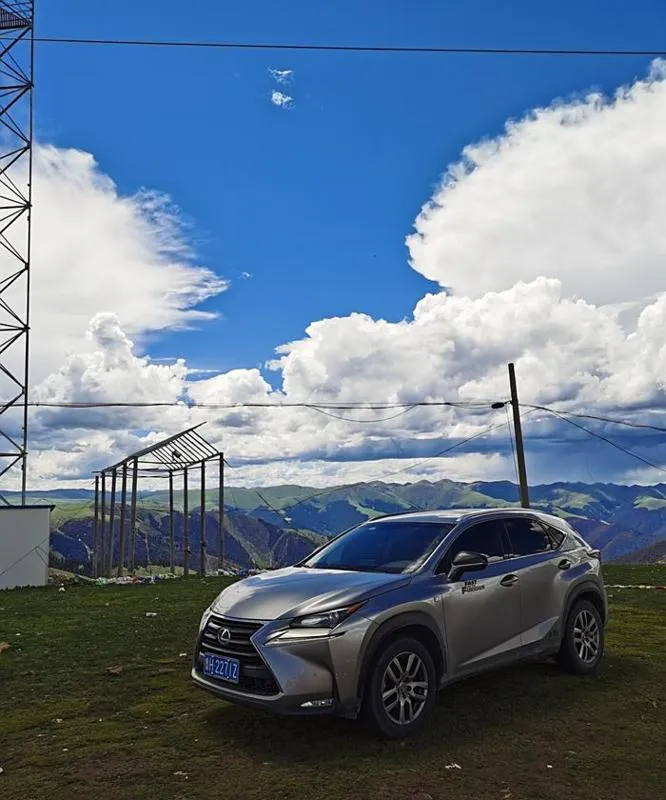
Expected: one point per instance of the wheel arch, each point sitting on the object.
(416, 624)
(591, 591)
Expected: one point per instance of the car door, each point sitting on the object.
(481, 609)
(541, 569)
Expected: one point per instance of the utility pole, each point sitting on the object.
(520, 451)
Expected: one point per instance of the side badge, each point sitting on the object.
(472, 586)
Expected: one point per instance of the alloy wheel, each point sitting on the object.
(405, 688)
(586, 636)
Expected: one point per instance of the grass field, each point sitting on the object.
(69, 728)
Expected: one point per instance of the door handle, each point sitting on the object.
(564, 564)
(509, 580)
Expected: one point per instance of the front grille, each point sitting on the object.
(255, 677)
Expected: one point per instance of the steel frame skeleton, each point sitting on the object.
(16, 133)
(113, 545)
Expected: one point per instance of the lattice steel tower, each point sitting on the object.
(16, 124)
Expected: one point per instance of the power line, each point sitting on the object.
(340, 406)
(598, 418)
(411, 466)
(607, 440)
(350, 48)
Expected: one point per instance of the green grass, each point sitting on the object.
(650, 503)
(123, 737)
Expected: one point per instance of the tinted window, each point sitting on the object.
(485, 538)
(391, 546)
(556, 537)
(526, 536)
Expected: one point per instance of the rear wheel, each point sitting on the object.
(401, 688)
(583, 641)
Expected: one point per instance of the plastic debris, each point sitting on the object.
(4, 646)
(18, 634)
(550, 766)
(151, 613)
(180, 774)
(133, 580)
(65, 749)
(182, 655)
(453, 766)
(61, 588)
(115, 670)
(57, 720)
(1, 770)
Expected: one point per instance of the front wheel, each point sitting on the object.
(401, 688)
(583, 641)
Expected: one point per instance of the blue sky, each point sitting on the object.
(547, 249)
(314, 201)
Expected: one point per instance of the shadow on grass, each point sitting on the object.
(481, 709)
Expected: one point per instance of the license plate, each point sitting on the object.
(226, 669)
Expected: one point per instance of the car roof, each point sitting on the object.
(456, 515)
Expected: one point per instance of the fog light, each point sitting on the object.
(318, 703)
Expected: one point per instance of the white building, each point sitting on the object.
(24, 545)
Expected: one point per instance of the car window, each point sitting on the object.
(526, 536)
(556, 537)
(485, 538)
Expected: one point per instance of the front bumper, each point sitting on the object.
(296, 676)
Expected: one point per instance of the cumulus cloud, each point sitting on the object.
(542, 240)
(281, 100)
(573, 191)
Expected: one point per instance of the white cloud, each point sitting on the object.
(280, 99)
(282, 75)
(573, 191)
(548, 243)
(246, 276)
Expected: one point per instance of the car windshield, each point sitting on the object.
(391, 546)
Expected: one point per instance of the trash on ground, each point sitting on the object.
(180, 774)
(57, 720)
(182, 655)
(115, 670)
(151, 613)
(61, 588)
(4, 646)
(453, 766)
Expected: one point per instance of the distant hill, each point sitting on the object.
(278, 525)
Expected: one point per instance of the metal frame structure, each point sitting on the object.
(16, 133)
(180, 454)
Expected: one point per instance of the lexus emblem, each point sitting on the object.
(224, 635)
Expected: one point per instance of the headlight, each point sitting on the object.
(205, 617)
(328, 620)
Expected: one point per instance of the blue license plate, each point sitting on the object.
(226, 669)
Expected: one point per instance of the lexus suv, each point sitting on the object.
(381, 617)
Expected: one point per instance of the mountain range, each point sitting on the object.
(278, 525)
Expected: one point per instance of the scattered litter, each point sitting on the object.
(550, 766)
(116, 670)
(180, 774)
(132, 580)
(65, 749)
(453, 766)
(151, 613)
(1, 770)
(61, 588)
(18, 634)
(182, 655)
(635, 586)
(4, 646)
(57, 720)
(100, 720)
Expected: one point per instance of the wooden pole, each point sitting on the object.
(520, 450)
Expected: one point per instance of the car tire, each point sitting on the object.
(401, 688)
(583, 640)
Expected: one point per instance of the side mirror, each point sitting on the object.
(466, 562)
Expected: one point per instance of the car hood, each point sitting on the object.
(295, 591)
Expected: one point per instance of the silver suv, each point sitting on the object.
(378, 619)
